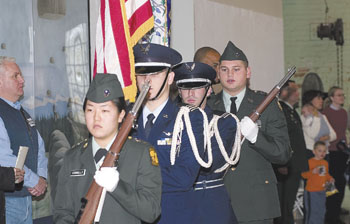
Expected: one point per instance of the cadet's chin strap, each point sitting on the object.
(162, 87)
(236, 149)
(177, 134)
(205, 95)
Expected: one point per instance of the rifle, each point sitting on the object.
(91, 200)
(272, 94)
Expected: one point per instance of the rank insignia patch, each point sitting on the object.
(154, 157)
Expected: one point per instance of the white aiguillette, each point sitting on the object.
(21, 157)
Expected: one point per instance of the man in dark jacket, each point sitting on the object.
(289, 175)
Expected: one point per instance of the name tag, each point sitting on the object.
(77, 173)
(164, 141)
(31, 122)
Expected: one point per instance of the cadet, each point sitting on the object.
(133, 189)
(252, 184)
(194, 80)
(156, 123)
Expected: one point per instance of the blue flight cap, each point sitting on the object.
(191, 75)
(152, 58)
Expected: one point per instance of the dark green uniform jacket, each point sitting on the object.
(252, 184)
(137, 196)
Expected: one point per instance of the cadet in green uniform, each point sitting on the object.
(133, 189)
(252, 184)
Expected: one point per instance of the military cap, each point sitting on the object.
(103, 88)
(193, 75)
(232, 53)
(152, 58)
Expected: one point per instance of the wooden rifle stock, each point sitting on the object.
(91, 200)
(272, 94)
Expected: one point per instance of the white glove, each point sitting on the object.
(107, 177)
(249, 129)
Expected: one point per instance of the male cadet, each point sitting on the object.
(153, 64)
(289, 175)
(252, 184)
(133, 188)
(211, 57)
(193, 80)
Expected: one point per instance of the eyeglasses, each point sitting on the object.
(339, 95)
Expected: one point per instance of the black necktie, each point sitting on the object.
(233, 105)
(101, 152)
(149, 124)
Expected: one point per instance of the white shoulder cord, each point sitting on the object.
(236, 149)
(177, 134)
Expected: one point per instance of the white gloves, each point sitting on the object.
(249, 129)
(107, 177)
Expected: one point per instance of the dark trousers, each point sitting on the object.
(337, 165)
(287, 190)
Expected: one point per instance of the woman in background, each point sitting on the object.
(315, 125)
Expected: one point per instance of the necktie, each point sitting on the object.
(101, 152)
(233, 105)
(149, 124)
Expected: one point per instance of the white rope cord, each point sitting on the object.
(178, 128)
(236, 149)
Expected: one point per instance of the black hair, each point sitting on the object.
(310, 95)
(118, 102)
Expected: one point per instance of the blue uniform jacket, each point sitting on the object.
(214, 204)
(178, 179)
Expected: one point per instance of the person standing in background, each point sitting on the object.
(210, 56)
(337, 159)
(289, 175)
(8, 176)
(315, 194)
(17, 129)
(316, 126)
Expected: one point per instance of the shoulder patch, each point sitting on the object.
(83, 143)
(154, 157)
(279, 105)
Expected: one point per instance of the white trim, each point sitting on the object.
(150, 64)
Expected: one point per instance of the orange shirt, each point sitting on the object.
(316, 182)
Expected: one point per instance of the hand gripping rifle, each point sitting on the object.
(92, 198)
(271, 96)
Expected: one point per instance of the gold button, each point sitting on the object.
(233, 168)
(266, 181)
(129, 137)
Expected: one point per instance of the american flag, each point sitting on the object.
(120, 24)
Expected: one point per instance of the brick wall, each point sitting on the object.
(305, 50)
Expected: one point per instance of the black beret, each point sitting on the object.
(193, 75)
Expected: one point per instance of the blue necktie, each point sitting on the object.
(149, 124)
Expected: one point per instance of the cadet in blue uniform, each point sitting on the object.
(155, 125)
(194, 80)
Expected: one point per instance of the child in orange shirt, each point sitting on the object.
(315, 194)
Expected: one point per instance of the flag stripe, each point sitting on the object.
(119, 26)
(142, 14)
